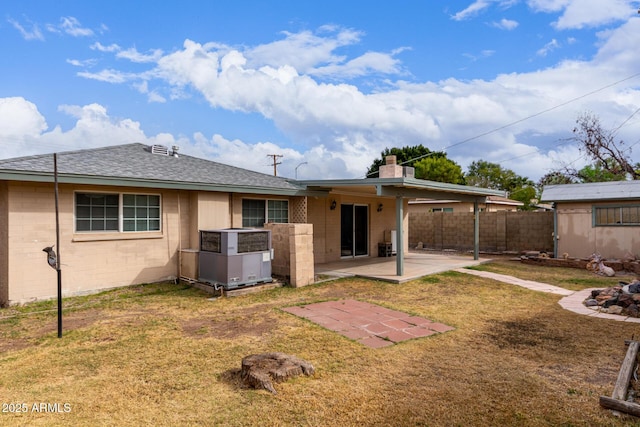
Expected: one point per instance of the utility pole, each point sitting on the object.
(275, 162)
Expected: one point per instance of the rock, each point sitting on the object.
(615, 309)
(258, 370)
(591, 302)
(632, 310)
(625, 300)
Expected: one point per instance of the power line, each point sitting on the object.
(464, 141)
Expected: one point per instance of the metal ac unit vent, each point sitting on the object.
(160, 149)
(235, 257)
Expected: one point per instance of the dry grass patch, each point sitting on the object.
(166, 355)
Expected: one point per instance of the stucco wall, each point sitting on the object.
(208, 211)
(326, 223)
(90, 261)
(4, 244)
(580, 239)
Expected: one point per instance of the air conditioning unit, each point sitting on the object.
(235, 257)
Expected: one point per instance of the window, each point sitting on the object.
(442, 210)
(96, 212)
(140, 212)
(255, 213)
(616, 216)
(117, 212)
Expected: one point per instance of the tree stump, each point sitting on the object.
(258, 370)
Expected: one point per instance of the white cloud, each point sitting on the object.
(304, 50)
(20, 118)
(505, 24)
(71, 26)
(109, 76)
(552, 45)
(585, 13)
(472, 10)
(33, 33)
(100, 47)
(82, 63)
(134, 56)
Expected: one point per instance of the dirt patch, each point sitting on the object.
(522, 333)
(13, 344)
(227, 329)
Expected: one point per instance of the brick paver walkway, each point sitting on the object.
(368, 324)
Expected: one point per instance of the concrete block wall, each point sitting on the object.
(90, 261)
(499, 231)
(293, 252)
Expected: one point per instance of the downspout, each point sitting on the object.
(555, 230)
(476, 230)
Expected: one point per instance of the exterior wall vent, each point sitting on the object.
(160, 149)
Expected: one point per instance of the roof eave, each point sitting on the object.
(149, 183)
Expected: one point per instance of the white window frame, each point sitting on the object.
(266, 210)
(120, 212)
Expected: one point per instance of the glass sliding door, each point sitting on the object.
(354, 230)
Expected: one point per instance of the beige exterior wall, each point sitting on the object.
(90, 261)
(293, 252)
(4, 243)
(326, 223)
(208, 211)
(580, 239)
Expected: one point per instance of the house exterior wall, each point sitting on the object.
(580, 239)
(208, 211)
(4, 243)
(89, 261)
(326, 223)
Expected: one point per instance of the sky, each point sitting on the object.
(324, 86)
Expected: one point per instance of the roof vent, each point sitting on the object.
(159, 149)
(175, 149)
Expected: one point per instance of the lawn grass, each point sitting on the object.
(164, 354)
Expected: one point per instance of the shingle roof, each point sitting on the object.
(614, 190)
(136, 162)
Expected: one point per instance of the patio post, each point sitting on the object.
(399, 237)
(476, 230)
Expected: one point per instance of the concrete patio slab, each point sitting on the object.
(416, 265)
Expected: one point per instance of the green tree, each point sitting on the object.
(403, 155)
(491, 175)
(439, 168)
(597, 172)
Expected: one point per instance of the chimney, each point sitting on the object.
(390, 169)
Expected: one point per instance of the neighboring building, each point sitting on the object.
(602, 217)
(492, 204)
(128, 213)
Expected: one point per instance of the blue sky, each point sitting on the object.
(328, 84)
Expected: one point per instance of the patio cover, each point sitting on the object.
(409, 188)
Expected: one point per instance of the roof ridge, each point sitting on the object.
(81, 150)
